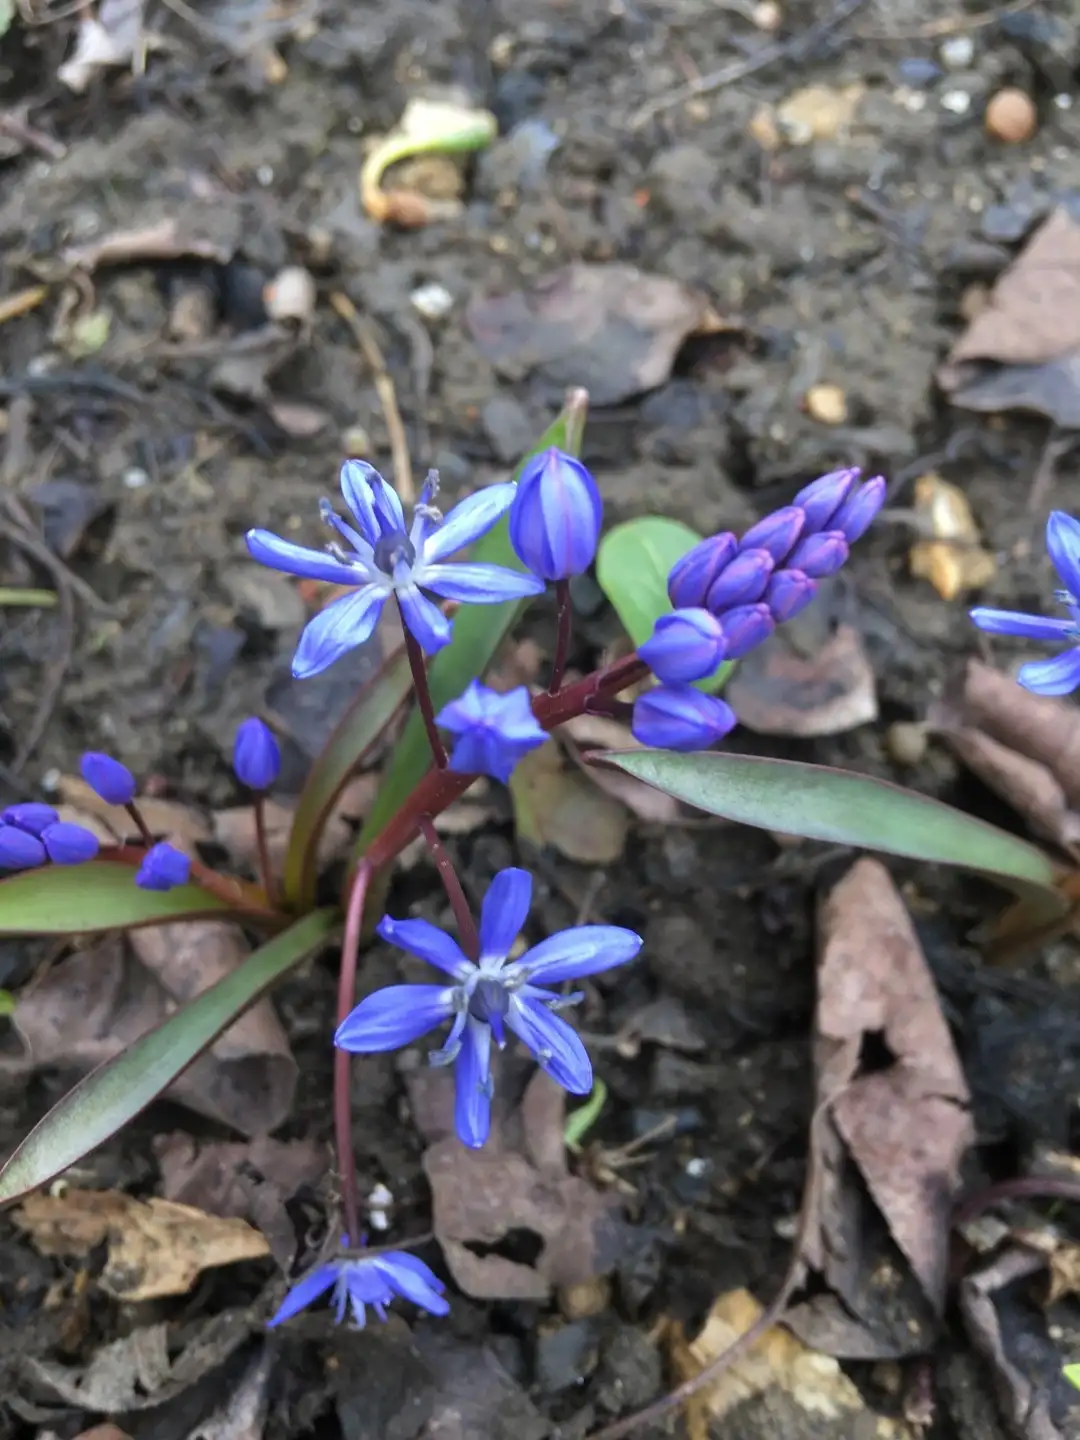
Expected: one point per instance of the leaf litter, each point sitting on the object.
(156, 1247)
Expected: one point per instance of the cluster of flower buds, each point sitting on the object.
(730, 594)
(32, 834)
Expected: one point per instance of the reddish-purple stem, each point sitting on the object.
(265, 872)
(565, 625)
(350, 949)
(418, 667)
(140, 824)
(459, 902)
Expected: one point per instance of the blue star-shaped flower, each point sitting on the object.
(489, 996)
(359, 1281)
(493, 731)
(380, 557)
(1061, 675)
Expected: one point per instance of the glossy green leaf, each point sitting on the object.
(115, 1092)
(632, 566)
(100, 895)
(821, 803)
(479, 630)
(374, 708)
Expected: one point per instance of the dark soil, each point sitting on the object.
(841, 262)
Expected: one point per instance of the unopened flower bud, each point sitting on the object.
(789, 592)
(677, 717)
(820, 500)
(854, 516)
(163, 868)
(555, 518)
(685, 645)
(777, 533)
(742, 583)
(108, 778)
(819, 555)
(745, 628)
(698, 570)
(256, 756)
(69, 844)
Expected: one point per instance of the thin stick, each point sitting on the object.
(364, 335)
(562, 637)
(266, 873)
(423, 694)
(459, 903)
(350, 948)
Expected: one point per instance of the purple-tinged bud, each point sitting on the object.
(745, 628)
(789, 592)
(742, 583)
(256, 757)
(855, 515)
(29, 815)
(819, 555)
(685, 645)
(692, 576)
(677, 717)
(820, 500)
(555, 518)
(777, 533)
(19, 850)
(163, 867)
(68, 844)
(108, 778)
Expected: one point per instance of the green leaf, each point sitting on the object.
(632, 566)
(115, 1092)
(821, 803)
(478, 632)
(1072, 1374)
(100, 895)
(374, 708)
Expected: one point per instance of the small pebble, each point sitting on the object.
(957, 102)
(1011, 116)
(905, 741)
(826, 404)
(957, 52)
(1063, 102)
(356, 442)
(767, 15)
(135, 478)
(917, 71)
(290, 295)
(433, 301)
(585, 1298)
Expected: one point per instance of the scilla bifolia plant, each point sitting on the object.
(692, 606)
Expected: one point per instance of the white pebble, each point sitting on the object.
(957, 52)
(696, 1167)
(433, 301)
(957, 102)
(135, 478)
(265, 175)
(1063, 101)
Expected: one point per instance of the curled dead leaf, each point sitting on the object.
(954, 559)
(156, 1247)
(786, 688)
(556, 805)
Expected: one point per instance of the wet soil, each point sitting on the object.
(841, 262)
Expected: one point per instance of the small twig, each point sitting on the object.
(808, 1214)
(364, 334)
(948, 25)
(795, 49)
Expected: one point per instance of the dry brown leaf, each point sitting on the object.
(1064, 1272)
(92, 1005)
(1033, 312)
(202, 228)
(555, 805)
(155, 1247)
(598, 732)
(611, 328)
(234, 829)
(518, 1181)
(782, 688)
(906, 1126)
(954, 560)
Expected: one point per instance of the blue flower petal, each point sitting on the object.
(479, 584)
(484, 752)
(394, 1016)
(358, 483)
(583, 950)
(412, 1279)
(342, 626)
(425, 620)
(305, 1291)
(472, 1086)
(468, 520)
(365, 1282)
(427, 941)
(1025, 627)
(557, 1048)
(1059, 676)
(270, 549)
(1063, 545)
(504, 912)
